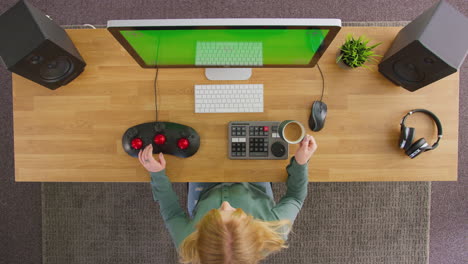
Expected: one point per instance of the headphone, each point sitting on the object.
(407, 135)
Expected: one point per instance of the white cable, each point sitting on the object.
(89, 25)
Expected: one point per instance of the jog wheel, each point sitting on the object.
(278, 149)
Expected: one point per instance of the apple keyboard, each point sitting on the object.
(229, 98)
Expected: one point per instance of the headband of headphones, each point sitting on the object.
(434, 118)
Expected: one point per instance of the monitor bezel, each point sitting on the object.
(333, 25)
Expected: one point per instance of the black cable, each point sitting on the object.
(156, 79)
(323, 81)
(155, 92)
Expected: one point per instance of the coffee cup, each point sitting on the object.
(291, 131)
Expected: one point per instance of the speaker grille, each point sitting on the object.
(414, 66)
(56, 69)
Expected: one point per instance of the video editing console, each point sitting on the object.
(166, 137)
(256, 140)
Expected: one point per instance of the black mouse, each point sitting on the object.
(317, 115)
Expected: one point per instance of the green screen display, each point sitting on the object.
(225, 47)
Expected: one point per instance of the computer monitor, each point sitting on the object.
(227, 48)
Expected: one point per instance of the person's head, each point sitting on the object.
(228, 235)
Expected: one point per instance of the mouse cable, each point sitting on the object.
(156, 92)
(323, 81)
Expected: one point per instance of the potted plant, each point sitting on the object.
(355, 53)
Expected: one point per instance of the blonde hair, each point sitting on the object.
(241, 240)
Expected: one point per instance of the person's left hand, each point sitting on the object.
(146, 159)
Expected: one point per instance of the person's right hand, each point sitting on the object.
(306, 149)
(146, 159)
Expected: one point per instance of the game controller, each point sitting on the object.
(166, 137)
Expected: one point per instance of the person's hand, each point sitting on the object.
(306, 149)
(147, 160)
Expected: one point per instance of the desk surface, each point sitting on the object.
(74, 133)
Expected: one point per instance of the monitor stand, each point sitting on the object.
(228, 74)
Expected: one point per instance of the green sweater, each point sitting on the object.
(251, 198)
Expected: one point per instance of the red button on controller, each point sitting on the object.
(137, 143)
(183, 143)
(266, 129)
(159, 139)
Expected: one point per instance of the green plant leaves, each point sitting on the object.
(355, 52)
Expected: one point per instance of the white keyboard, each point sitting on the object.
(229, 98)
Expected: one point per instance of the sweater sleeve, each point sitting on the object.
(174, 217)
(291, 203)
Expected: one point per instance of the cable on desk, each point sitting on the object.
(323, 81)
(156, 92)
(156, 80)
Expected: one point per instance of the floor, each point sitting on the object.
(20, 203)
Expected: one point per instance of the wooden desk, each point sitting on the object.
(74, 133)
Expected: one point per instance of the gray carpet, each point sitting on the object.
(340, 223)
(103, 223)
(20, 210)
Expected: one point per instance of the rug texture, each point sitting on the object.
(340, 223)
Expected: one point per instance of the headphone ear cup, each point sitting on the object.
(411, 133)
(406, 137)
(417, 148)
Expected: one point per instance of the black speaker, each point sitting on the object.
(35, 47)
(429, 48)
